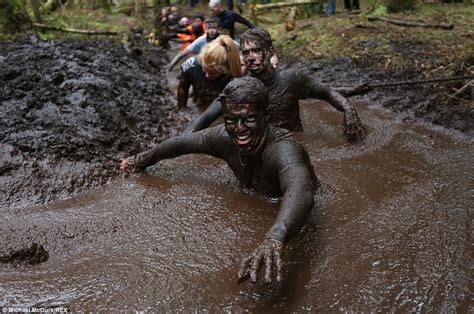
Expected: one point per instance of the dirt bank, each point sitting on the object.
(67, 106)
(429, 102)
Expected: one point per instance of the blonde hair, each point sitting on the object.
(223, 55)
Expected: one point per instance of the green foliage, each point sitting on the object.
(380, 11)
(50, 6)
(395, 6)
(13, 16)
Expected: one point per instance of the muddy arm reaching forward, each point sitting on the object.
(353, 128)
(205, 119)
(194, 143)
(298, 182)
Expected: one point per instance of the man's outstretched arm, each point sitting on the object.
(194, 143)
(178, 58)
(206, 118)
(242, 20)
(297, 184)
(353, 128)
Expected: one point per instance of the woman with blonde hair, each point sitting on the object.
(209, 72)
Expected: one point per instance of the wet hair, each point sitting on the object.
(212, 20)
(199, 15)
(222, 54)
(259, 35)
(246, 90)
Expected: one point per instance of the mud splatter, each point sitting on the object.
(35, 254)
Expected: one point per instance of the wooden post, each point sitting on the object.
(290, 20)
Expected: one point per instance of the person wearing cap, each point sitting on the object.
(263, 158)
(212, 32)
(286, 88)
(227, 18)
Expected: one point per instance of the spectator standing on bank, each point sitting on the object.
(351, 7)
(227, 18)
(330, 7)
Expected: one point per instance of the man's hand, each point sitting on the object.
(269, 253)
(127, 165)
(354, 131)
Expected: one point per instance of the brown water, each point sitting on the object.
(391, 231)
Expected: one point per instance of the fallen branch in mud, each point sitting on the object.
(367, 87)
(278, 5)
(469, 84)
(73, 30)
(411, 23)
(366, 26)
(257, 9)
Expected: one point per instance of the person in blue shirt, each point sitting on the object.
(286, 88)
(209, 72)
(227, 18)
(212, 32)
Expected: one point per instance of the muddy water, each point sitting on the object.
(391, 230)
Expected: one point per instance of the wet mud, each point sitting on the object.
(391, 229)
(67, 106)
(33, 255)
(427, 102)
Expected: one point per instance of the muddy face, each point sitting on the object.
(257, 59)
(246, 125)
(212, 31)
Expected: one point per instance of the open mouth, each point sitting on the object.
(243, 139)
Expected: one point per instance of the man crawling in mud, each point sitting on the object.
(263, 157)
(286, 88)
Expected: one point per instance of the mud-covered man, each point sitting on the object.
(263, 157)
(286, 88)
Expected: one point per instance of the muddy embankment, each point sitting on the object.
(429, 102)
(68, 106)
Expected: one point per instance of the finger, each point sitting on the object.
(279, 265)
(268, 266)
(244, 267)
(243, 279)
(256, 264)
(123, 164)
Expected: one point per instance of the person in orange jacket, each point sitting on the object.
(191, 32)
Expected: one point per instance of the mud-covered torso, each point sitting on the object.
(205, 90)
(262, 172)
(285, 89)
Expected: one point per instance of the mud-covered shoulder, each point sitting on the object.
(283, 150)
(218, 141)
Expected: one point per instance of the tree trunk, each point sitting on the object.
(157, 4)
(34, 7)
(138, 7)
(104, 5)
(70, 4)
(290, 20)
